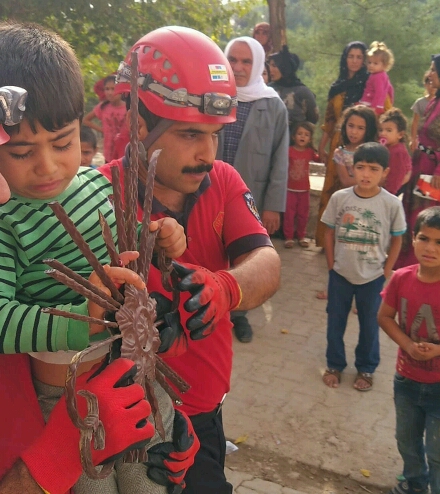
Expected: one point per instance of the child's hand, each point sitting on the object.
(119, 276)
(429, 350)
(171, 236)
(421, 351)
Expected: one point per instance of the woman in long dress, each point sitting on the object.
(426, 161)
(344, 92)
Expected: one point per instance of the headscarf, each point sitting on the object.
(256, 87)
(287, 63)
(436, 60)
(266, 26)
(353, 87)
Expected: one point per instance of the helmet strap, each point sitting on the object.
(163, 125)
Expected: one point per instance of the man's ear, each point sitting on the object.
(142, 126)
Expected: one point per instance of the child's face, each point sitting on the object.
(388, 131)
(355, 129)
(109, 91)
(375, 64)
(87, 153)
(427, 247)
(368, 177)
(302, 137)
(41, 165)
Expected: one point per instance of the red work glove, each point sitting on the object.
(168, 462)
(173, 340)
(54, 458)
(213, 295)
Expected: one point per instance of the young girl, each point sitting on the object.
(358, 126)
(112, 113)
(392, 133)
(378, 87)
(301, 153)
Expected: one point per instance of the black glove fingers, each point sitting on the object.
(202, 332)
(196, 321)
(182, 271)
(193, 303)
(163, 304)
(127, 379)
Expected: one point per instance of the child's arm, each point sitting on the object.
(171, 236)
(343, 175)
(393, 254)
(88, 121)
(386, 319)
(414, 126)
(329, 245)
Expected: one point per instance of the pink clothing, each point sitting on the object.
(112, 120)
(297, 207)
(418, 309)
(299, 168)
(377, 88)
(399, 164)
(425, 162)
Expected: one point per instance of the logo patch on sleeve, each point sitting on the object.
(250, 203)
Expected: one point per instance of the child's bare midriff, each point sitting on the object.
(55, 374)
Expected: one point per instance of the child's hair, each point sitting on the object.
(385, 55)
(86, 134)
(45, 65)
(109, 78)
(305, 125)
(395, 115)
(368, 115)
(429, 217)
(372, 152)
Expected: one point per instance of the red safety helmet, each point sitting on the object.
(183, 76)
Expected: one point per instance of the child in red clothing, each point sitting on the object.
(412, 294)
(301, 153)
(378, 87)
(392, 133)
(112, 113)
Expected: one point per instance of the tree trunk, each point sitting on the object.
(277, 21)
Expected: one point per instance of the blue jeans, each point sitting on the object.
(418, 415)
(340, 298)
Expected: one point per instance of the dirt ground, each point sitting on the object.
(277, 468)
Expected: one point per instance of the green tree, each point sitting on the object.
(101, 31)
(323, 27)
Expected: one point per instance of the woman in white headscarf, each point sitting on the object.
(256, 144)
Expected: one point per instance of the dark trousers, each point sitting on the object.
(207, 475)
(340, 298)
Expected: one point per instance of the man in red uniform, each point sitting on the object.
(186, 94)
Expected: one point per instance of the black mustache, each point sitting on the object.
(197, 169)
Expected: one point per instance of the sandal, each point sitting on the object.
(366, 377)
(288, 244)
(322, 295)
(334, 373)
(303, 243)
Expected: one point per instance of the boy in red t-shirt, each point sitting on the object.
(413, 293)
(301, 153)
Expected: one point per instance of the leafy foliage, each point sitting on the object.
(101, 31)
(322, 28)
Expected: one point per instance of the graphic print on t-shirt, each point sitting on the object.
(360, 231)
